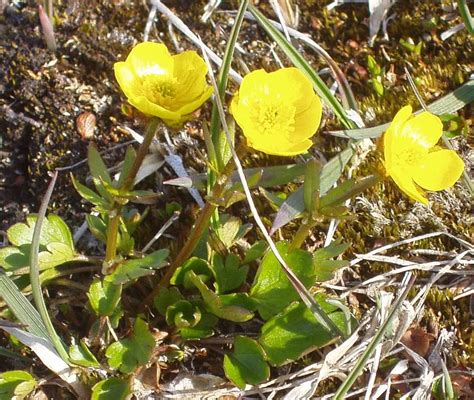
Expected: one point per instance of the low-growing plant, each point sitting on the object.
(213, 280)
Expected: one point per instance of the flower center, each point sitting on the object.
(273, 116)
(160, 90)
(409, 157)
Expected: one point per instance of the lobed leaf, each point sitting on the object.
(128, 354)
(111, 389)
(136, 268)
(246, 365)
(295, 331)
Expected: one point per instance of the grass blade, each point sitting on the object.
(34, 274)
(319, 86)
(21, 307)
(223, 79)
(466, 16)
(360, 364)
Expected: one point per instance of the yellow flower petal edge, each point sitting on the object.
(159, 84)
(278, 112)
(412, 158)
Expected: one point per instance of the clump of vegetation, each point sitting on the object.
(231, 286)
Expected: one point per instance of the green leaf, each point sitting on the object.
(183, 314)
(13, 258)
(215, 304)
(242, 300)
(197, 265)
(56, 244)
(270, 176)
(54, 229)
(89, 195)
(294, 332)
(223, 148)
(136, 268)
(294, 204)
(133, 352)
(312, 182)
(229, 275)
(166, 297)
(324, 266)
(347, 190)
(378, 86)
(298, 60)
(335, 249)
(374, 68)
(111, 389)
(16, 385)
(227, 232)
(256, 251)
(246, 365)
(98, 171)
(130, 156)
(271, 288)
(104, 296)
(81, 355)
(204, 328)
(97, 227)
(325, 269)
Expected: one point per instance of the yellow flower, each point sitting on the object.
(413, 159)
(162, 85)
(278, 111)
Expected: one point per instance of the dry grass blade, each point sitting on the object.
(361, 362)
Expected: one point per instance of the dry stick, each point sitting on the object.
(308, 300)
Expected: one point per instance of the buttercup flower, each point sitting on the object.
(162, 85)
(413, 159)
(278, 111)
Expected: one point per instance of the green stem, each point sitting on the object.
(112, 233)
(114, 221)
(303, 232)
(199, 228)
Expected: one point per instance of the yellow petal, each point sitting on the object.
(292, 85)
(147, 107)
(390, 136)
(126, 78)
(406, 184)
(307, 121)
(150, 58)
(255, 84)
(194, 104)
(423, 130)
(278, 111)
(439, 170)
(278, 147)
(190, 72)
(299, 148)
